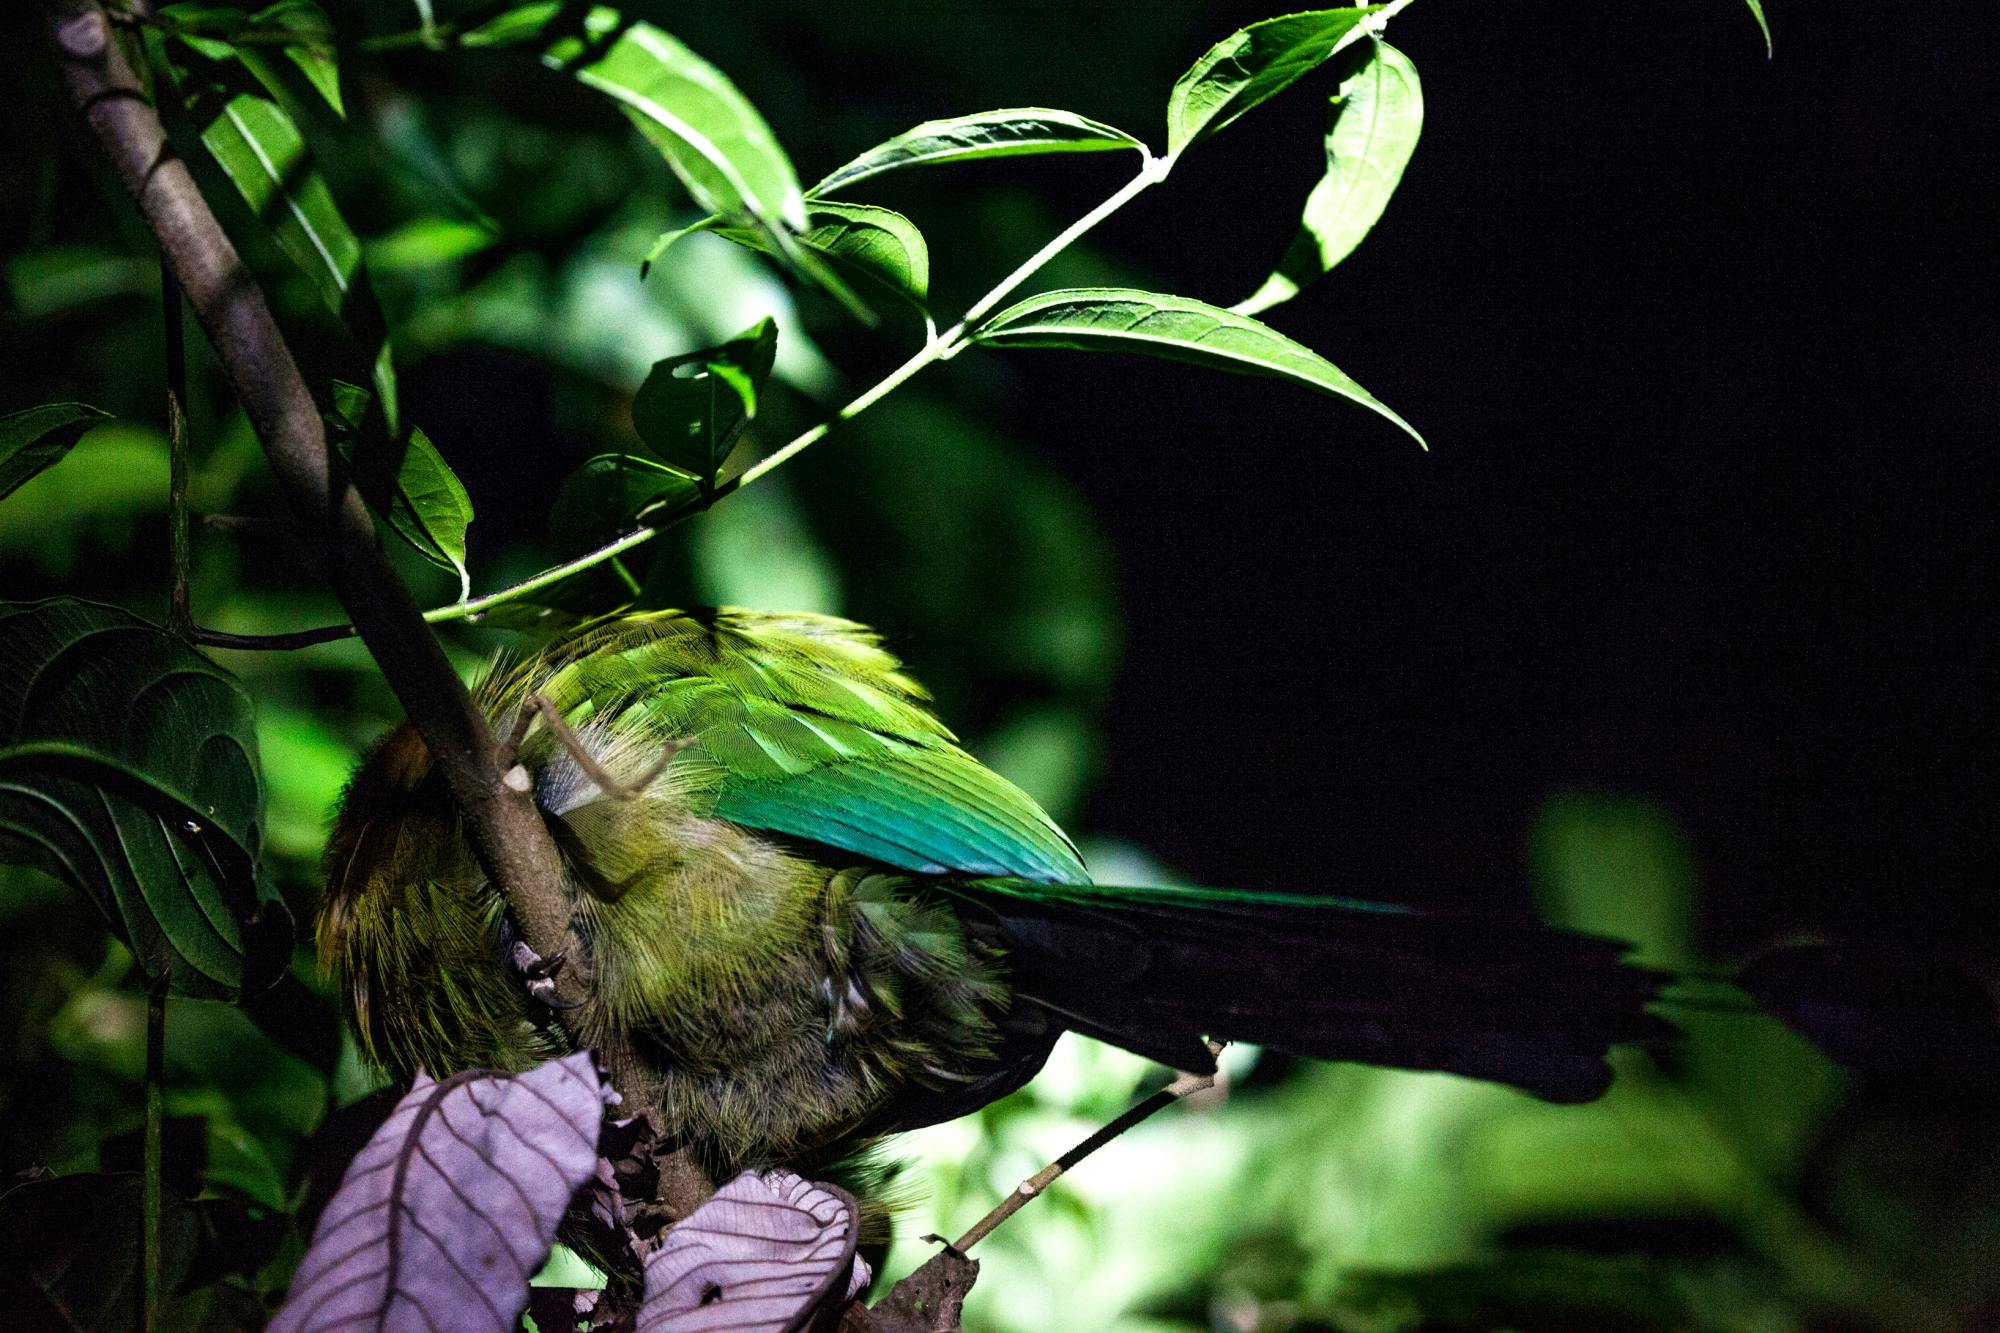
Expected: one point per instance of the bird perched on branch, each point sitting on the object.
(823, 921)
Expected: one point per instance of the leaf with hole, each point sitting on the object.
(407, 481)
(692, 408)
(1376, 119)
(128, 767)
(1008, 132)
(453, 1205)
(601, 500)
(768, 1251)
(1256, 63)
(36, 439)
(1120, 319)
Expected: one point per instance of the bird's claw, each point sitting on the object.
(539, 975)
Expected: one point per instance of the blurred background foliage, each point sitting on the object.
(1734, 1181)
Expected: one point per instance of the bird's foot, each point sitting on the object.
(538, 974)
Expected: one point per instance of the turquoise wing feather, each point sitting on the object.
(805, 726)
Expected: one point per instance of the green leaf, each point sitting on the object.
(1118, 319)
(871, 246)
(36, 438)
(709, 133)
(668, 238)
(258, 147)
(877, 241)
(600, 500)
(313, 52)
(1763, 26)
(1376, 119)
(692, 408)
(1008, 132)
(1255, 64)
(406, 480)
(128, 768)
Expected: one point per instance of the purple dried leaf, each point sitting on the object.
(767, 1254)
(452, 1206)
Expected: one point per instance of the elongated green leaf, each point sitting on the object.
(1254, 64)
(1008, 132)
(1376, 120)
(1119, 319)
(601, 500)
(1763, 25)
(128, 767)
(259, 149)
(406, 480)
(709, 133)
(692, 409)
(36, 438)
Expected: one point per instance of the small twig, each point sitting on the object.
(1184, 1085)
(541, 705)
(256, 524)
(180, 614)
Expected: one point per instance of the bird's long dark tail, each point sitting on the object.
(1157, 970)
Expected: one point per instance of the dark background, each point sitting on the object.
(1704, 347)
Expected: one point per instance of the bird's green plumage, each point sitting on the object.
(825, 920)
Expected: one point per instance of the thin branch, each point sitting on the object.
(503, 825)
(180, 614)
(1184, 1085)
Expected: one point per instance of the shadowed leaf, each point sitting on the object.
(1119, 319)
(599, 500)
(1008, 132)
(765, 1255)
(128, 767)
(1254, 64)
(692, 409)
(36, 438)
(72, 1247)
(453, 1205)
(407, 481)
(1376, 119)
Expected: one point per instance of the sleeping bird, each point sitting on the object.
(820, 920)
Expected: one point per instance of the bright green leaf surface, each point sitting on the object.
(709, 133)
(1376, 120)
(877, 241)
(407, 481)
(1763, 25)
(600, 500)
(37, 438)
(1118, 319)
(128, 767)
(1008, 132)
(259, 149)
(692, 408)
(1252, 65)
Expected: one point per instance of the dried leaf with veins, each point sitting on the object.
(453, 1205)
(767, 1254)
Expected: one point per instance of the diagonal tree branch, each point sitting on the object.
(503, 824)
